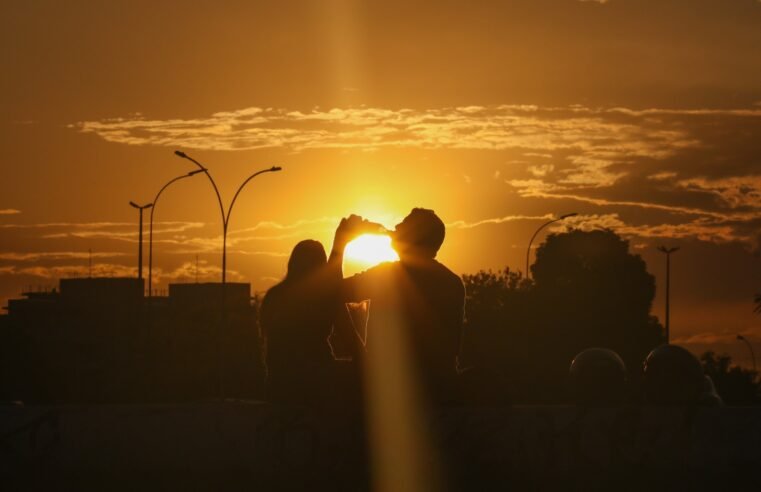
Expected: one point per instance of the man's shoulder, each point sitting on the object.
(439, 273)
(446, 272)
(372, 275)
(379, 269)
(427, 269)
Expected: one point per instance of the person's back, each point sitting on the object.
(425, 302)
(296, 319)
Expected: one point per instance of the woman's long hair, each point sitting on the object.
(307, 257)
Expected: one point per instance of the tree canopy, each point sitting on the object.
(588, 290)
(736, 385)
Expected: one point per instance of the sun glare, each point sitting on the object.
(370, 249)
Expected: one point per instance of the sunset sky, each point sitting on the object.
(641, 115)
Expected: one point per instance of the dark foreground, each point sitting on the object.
(252, 446)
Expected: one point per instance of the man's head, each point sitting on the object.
(421, 233)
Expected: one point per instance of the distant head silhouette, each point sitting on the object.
(673, 376)
(307, 257)
(420, 234)
(598, 377)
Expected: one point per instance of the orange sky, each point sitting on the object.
(640, 115)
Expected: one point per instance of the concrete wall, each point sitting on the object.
(234, 445)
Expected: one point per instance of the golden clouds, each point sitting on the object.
(597, 132)
(668, 164)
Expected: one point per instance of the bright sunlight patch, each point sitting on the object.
(370, 249)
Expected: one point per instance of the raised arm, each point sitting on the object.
(342, 339)
(340, 240)
(349, 228)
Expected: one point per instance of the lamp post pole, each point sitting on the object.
(201, 168)
(140, 238)
(667, 252)
(225, 216)
(528, 251)
(150, 227)
(750, 347)
(230, 209)
(225, 224)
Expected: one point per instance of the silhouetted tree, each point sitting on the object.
(594, 292)
(594, 270)
(736, 385)
(497, 329)
(588, 290)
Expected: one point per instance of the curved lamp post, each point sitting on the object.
(140, 240)
(150, 227)
(225, 217)
(750, 347)
(528, 251)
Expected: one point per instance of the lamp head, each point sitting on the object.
(276, 168)
(133, 204)
(193, 173)
(180, 153)
(572, 214)
(664, 249)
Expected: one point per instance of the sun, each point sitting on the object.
(369, 250)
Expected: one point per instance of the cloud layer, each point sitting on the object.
(692, 172)
(529, 127)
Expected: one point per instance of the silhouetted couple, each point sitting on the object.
(411, 330)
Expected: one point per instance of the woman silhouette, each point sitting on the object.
(296, 320)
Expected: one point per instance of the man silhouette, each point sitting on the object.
(416, 304)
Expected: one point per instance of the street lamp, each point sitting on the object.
(225, 223)
(667, 252)
(150, 227)
(140, 240)
(750, 347)
(528, 251)
(225, 217)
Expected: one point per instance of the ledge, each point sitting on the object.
(224, 445)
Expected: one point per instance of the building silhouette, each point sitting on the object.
(101, 340)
